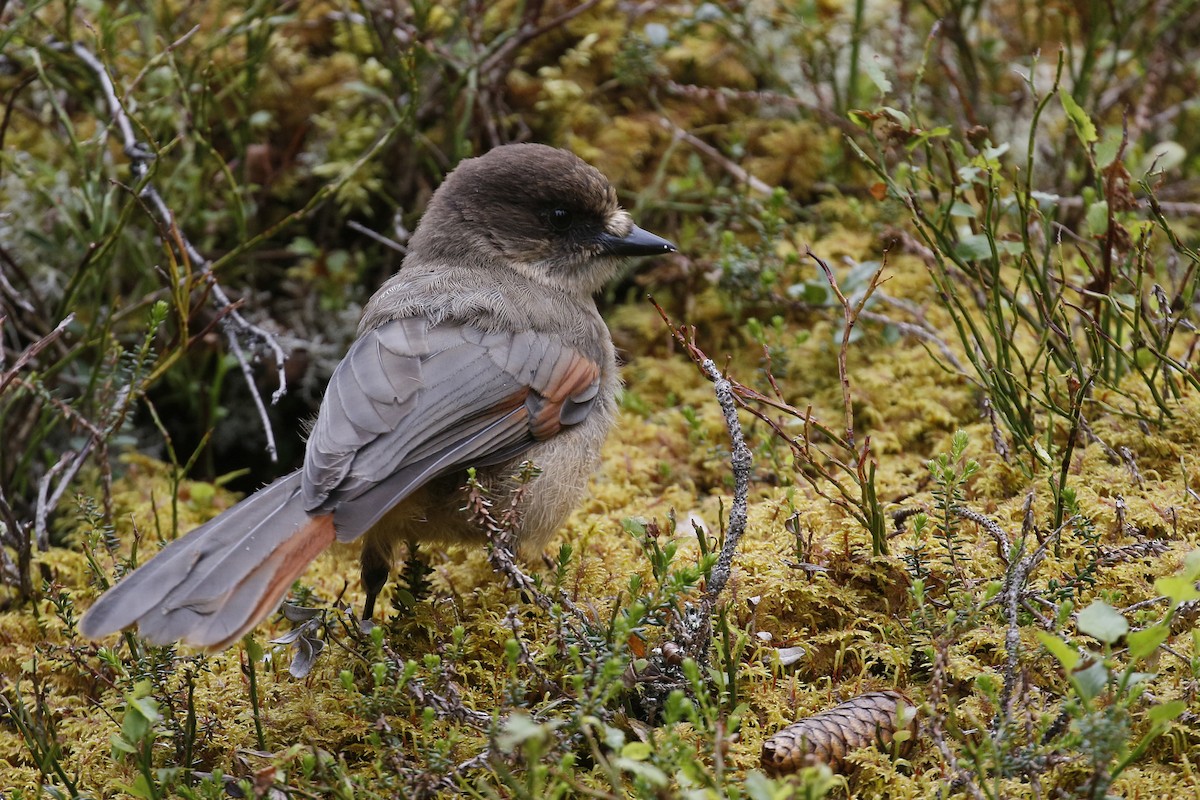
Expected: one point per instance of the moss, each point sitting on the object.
(321, 88)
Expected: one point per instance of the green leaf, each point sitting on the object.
(1102, 621)
(147, 707)
(518, 729)
(254, 650)
(119, 744)
(759, 786)
(897, 116)
(973, 248)
(875, 73)
(1097, 218)
(862, 120)
(1179, 588)
(811, 292)
(1109, 146)
(1144, 642)
(1166, 712)
(636, 751)
(1067, 656)
(1182, 586)
(924, 136)
(1091, 680)
(140, 788)
(614, 738)
(647, 772)
(1084, 127)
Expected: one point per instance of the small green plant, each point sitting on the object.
(1042, 325)
(1113, 715)
(140, 728)
(37, 725)
(951, 472)
(753, 273)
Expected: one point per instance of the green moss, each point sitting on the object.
(293, 102)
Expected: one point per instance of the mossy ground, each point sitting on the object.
(287, 103)
(851, 614)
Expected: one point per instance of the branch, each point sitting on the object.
(850, 312)
(232, 322)
(30, 352)
(741, 462)
(729, 395)
(706, 149)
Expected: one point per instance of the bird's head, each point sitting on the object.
(541, 211)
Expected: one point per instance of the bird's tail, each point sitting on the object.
(211, 586)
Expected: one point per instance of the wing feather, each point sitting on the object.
(413, 400)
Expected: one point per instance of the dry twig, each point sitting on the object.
(729, 394)
(233, 323)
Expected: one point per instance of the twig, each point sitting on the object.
(30, 352)
(850, 314)
(233, 322)
(16, 536)
(47, 500)
(990, 526)
(999, 444)
(863, 506)
(741, 462)
(450, 707)
(527, 32)
(1018, 575)
(706, 149)
(378, 237)
(962, 778)
(730, 394)
(70, 462)
(721, 95)
(501, 532)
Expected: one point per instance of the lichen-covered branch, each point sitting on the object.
(728, 396)
(740, 461)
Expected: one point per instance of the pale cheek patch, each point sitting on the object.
(619, 223)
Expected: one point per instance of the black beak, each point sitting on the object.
(636, 243)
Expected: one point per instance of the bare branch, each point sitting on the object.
(706, 149)
(741, 462)
(850, 313)
(233, 323)
(48, 500)
(31, 352)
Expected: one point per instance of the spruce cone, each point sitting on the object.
(829, 736)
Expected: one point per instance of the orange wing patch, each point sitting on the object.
(571, 377)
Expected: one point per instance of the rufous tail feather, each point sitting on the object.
(210, 587)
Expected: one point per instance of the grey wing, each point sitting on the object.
(412, 400)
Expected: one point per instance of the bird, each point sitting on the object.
(484, 351)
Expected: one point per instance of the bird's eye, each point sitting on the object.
(560, 219)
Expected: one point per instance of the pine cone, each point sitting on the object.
(829, 736)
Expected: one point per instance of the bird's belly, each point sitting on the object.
(438, 512)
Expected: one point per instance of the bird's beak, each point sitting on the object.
(636, 243)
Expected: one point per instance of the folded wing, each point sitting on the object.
(412, 400)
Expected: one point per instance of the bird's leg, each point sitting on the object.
(376, 567)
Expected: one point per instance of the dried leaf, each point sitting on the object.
(790, 655)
